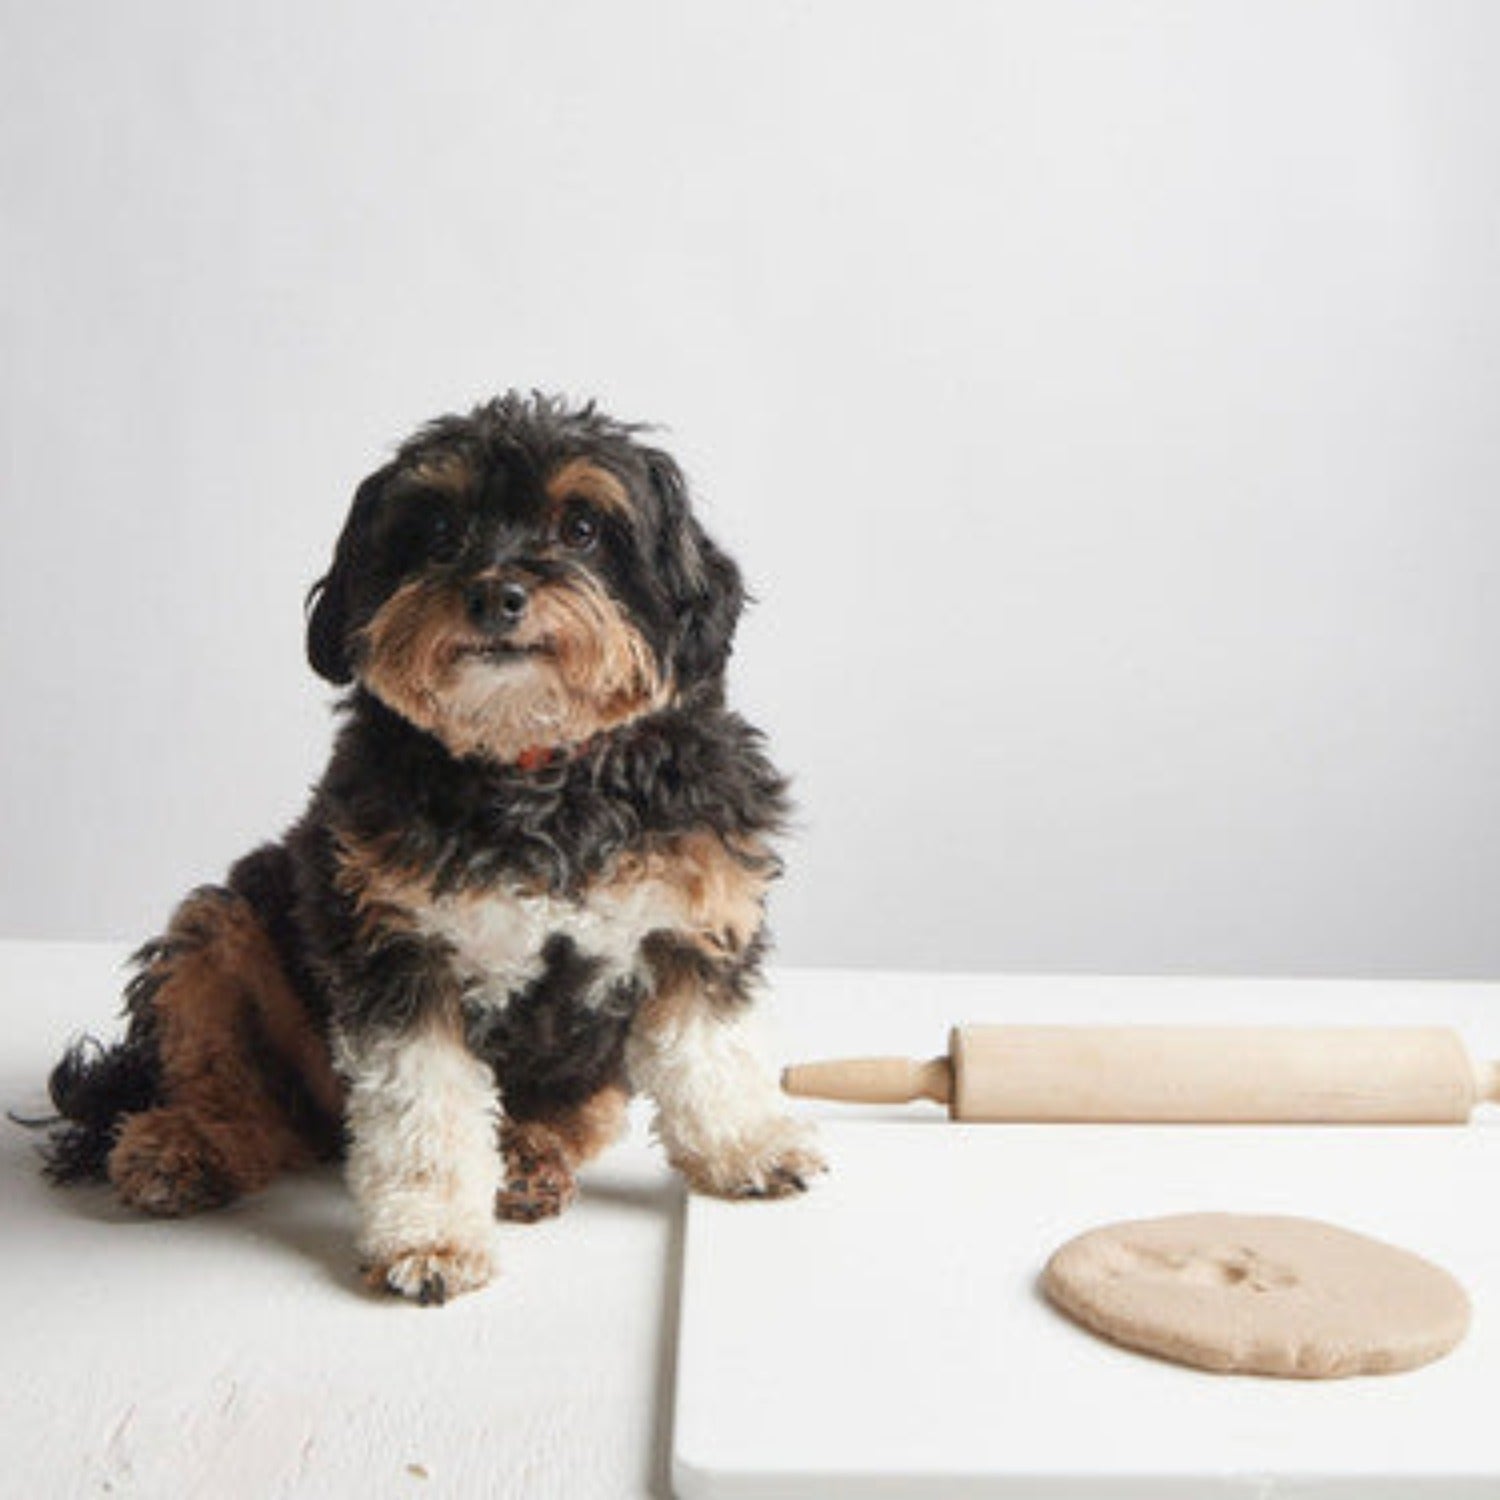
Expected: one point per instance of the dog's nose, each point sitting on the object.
(512, 599)
(494, 604)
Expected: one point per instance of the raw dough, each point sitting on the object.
(1262, 1295)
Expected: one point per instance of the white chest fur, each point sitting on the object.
(498, 938)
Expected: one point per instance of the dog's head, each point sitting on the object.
(524, 578)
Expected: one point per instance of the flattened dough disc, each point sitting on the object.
(1262, 1295)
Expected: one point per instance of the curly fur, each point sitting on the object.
(474, 919)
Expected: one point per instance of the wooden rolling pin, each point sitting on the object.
(1207, 1075)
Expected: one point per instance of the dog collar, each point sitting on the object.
(536, 757)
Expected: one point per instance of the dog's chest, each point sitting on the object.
(501, 939)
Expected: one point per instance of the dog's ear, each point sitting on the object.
(328, 601)
(326, 611)
(707, 591)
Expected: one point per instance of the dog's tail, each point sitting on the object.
(95, 1086)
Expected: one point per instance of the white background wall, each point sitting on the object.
(1101, 397)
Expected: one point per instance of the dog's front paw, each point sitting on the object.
(539, 1182)
(432, 1274)
(775, 1160)
(538, 1189)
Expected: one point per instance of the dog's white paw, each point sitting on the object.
(774, 1159)
(432, 1274)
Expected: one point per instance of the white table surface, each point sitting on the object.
(235, 1355)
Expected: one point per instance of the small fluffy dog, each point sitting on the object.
(530, 881)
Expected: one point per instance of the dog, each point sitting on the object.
(530, 882)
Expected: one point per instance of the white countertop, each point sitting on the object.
(236, 1355)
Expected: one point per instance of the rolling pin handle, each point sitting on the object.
(1487, 1082)
(871, 1080)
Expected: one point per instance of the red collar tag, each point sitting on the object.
(534, 757)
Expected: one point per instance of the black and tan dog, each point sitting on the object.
(530, 882)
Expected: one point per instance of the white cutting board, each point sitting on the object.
(884, 1336)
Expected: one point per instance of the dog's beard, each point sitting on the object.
(576, 667)
(501, 708)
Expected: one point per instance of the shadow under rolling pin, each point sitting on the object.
(1411, 1075)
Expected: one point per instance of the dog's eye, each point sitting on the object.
(578, 530)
